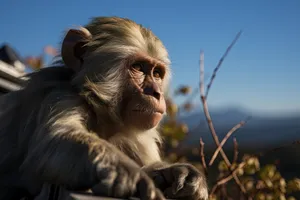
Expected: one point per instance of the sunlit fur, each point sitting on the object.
(114, 40)
(60, 128)
(106, 79)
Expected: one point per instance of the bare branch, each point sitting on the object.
(210, 123)
(201, 73)
(221, 61)
(202, 155)
(236, 127)
(235, 151)
(227, 178)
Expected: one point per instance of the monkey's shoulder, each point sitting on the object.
(52, 73)
(49, 85)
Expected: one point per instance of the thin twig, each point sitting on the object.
(221, 61)
(230, 176)
(227, 178)
(210, 123)
(201, 72)
(235, 151)
(236, 127)
(202, 155)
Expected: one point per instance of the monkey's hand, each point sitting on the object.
(125, 179)
(180, 181)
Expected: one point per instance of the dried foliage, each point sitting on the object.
(242, 178)
(38, 62)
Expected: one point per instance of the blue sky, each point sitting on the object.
(261, 73)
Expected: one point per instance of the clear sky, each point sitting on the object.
(261, 73)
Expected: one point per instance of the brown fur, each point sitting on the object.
(66, 127)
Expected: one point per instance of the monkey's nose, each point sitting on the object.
(153, 90)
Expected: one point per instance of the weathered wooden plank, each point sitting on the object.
(78, 196)
(82, 196)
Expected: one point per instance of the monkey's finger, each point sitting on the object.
(179, 188)
(168, 193)
(146, 189)
(192, 190)
(179, 174)
(160, 182)
(174, 173)
(121, 188)
(104, 186)
(186, 191)
(159, 195)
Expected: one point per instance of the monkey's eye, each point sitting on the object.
(137, 66)
(157, 73)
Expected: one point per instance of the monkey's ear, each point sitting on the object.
(73, 48)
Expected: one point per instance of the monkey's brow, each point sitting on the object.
(141, 57)
(151, 61)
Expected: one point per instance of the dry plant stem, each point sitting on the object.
(210, 123)
(227, 178)
(202, 73)
(220, 62)
(212, 130)
(216, 139)
(203, 156)
(236, 127)
(236, 151)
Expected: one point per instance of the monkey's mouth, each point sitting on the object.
(148, 111)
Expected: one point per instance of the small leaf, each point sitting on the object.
(34, 62)
(269, 197)
(269, 183)
(183, 90)
(222, 166)
(172, 157)
(213, 197)
(240, 172)
(293, 185)
(174, 143)
(187, 107)
(260, 196)
(249, 185)
(50, 50)
(172, 108)
(184, 128)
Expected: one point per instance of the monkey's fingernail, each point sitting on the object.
(152, 194)
(176, 189)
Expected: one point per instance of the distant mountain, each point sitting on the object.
(259, 132)
(225, 115)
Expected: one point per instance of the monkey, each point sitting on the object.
(92, 122)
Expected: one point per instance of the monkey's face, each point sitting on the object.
(127, 67)
(143, 99)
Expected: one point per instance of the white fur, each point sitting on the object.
(142, 143)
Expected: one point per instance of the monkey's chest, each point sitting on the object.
(143, 152)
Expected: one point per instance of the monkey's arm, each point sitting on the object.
(62, 151)
(179, 180)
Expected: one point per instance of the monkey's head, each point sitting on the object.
(122, 69)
